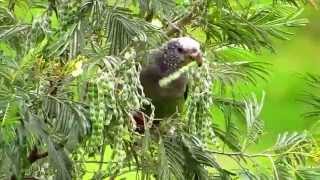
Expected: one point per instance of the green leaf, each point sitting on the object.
(29, 59)
(307, 173)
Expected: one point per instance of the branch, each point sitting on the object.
(32, 157)
(266, 155)
(314, 4)
(185, 20)
(244, 154)
(14, 177)
(35, 155)
(30, 178)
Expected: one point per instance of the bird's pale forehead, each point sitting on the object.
(188, 43)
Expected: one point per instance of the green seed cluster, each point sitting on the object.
(118, 154)
(127, 98)
(199, 104)
(101, 93)
(96, 121)
(114, 94)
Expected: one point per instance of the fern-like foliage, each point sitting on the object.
(69, 75)
(311, 97)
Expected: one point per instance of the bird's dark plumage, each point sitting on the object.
(164, 61)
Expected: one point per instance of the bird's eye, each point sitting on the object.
(180, 50)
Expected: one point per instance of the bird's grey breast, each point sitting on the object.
(150, 77)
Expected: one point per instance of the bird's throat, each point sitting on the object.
(164, 68)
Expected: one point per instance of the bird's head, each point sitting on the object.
(179, 52)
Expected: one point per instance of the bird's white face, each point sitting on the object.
(180, 52)
(189, 48)
(188, 44)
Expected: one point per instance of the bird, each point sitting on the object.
(163, 62)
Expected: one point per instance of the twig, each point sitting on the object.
(35, 155)
(266, 155)
(185, 20)
(274, 168)
(243, 154)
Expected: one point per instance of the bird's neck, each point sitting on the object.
(164, 68)
(165, 62)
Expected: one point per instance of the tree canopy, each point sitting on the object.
(69, 75)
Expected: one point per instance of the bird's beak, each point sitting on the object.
(197, 57)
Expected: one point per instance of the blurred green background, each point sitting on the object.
(293, 59)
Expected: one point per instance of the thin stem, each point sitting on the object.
(185, 20)
(243, 154)
(274, 168)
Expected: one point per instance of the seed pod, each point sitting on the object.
(93, 96)
(97, 115)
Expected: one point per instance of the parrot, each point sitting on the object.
(169, 100)
(163, 62)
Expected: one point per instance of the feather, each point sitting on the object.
(164, 78)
